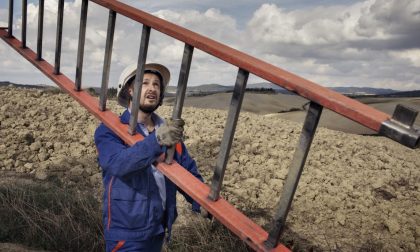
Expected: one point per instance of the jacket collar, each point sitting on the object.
(125, 118)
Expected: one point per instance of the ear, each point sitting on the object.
(129, 93)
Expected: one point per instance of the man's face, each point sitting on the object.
(150, 93)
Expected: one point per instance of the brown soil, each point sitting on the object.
(357, 193)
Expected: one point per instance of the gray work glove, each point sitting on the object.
(170, 132)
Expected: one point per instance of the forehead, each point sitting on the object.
(151, 76)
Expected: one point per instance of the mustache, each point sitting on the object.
(150, 93)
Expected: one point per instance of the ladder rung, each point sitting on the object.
(180, 92)
(138, 81)
(229, 132)
(24, 21)
(81, 45)
(40, 29)
(10, 24)
(107, 59)
(184, 73)
(59, 36)
(228, 215)
(296, 167)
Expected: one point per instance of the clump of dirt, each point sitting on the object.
(46, 134)
(357, 193)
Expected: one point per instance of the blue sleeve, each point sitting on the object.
(118, 159)
(187, 162)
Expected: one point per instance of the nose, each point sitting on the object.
(150, 87)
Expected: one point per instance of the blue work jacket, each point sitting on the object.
(132, 206)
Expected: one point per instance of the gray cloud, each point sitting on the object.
(347, 45)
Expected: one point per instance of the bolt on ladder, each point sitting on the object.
(399, 127)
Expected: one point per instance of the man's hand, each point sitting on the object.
(171, 132)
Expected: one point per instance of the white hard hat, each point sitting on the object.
(129, 73)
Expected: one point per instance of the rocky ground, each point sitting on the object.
(357, 193)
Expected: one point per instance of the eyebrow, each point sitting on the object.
(155, 80)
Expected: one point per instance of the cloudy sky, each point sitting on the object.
(373, 43)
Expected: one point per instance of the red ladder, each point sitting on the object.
(399, 127)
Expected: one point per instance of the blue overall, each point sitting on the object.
(132, 206)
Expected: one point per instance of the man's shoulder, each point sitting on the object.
(103, 130)
(102, 127)
(124, 119)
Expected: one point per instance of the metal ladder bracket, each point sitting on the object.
(400, 127)
(405, 115)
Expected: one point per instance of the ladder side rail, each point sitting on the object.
(59, 36)
(40, 29)
(138, 81)
(227, 214)
(10, 22)
(228, 134)
(24, 21)
(345, 106)
(107, 59)
(180, 92)
(296, 167)
(81, 44)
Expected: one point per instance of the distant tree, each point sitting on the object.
(260, 90)
(112, 92)
(91, 91)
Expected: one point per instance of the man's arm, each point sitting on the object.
(118, 159)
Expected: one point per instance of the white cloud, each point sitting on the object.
(341, 45)
(4, 15)
(380, 19)
(272, 24)
(412, 55)
(389, 18)
(211, 23)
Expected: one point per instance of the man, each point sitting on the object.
(139, 203)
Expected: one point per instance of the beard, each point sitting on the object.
(148, 109)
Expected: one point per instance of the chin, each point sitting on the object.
(148, 108)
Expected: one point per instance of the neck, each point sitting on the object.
(145, 119)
